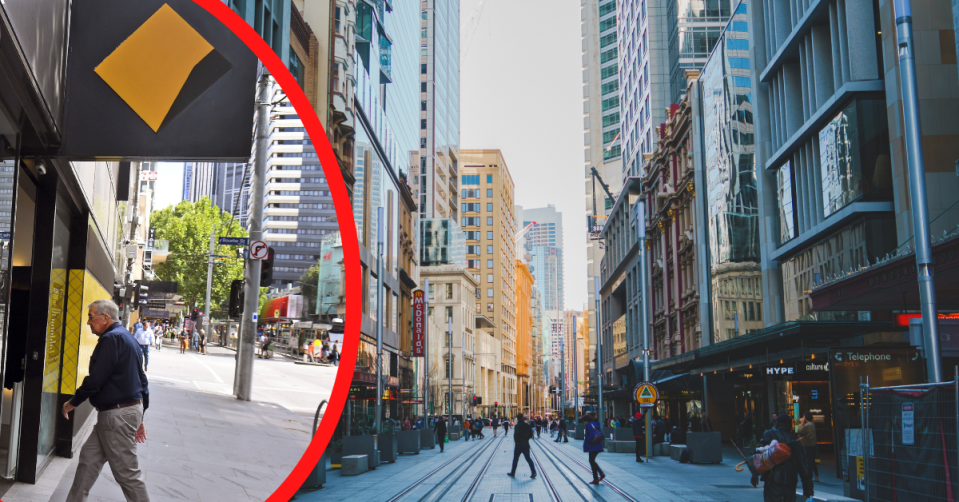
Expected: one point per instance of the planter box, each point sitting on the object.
(408, 441)
(427, 439)
(361, 445)
(660, 450)
(454, 429)
(621, 446)
(580, 432)
(608, 432)
(388, 448)
(317, 477)
(676, 450)
(705, 447)
(624, 434)
(335, 458)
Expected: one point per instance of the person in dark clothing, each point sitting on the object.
(495, 425)
(593, 444)
(746, 429)
(117, 387)
(706, 425)
(781, 481)
(638, 423)
(440, 428)
(561, 434)
(506, 426)
(522, 433)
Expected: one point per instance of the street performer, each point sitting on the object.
(781, 481)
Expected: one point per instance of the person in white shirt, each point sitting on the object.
(144, 337)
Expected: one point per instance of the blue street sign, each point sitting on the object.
(4, 235)
(234, 241)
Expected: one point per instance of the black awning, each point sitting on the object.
(683, 382)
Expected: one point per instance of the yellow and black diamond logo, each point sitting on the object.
(162, 67)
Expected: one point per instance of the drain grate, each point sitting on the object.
(511, 497)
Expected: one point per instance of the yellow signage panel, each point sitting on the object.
(646, 394)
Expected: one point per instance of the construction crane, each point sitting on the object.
(596, 177)
(522, 232)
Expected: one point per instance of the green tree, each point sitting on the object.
(187, 226)
(309, 282)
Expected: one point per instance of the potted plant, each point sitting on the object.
(750, 450)
(387, 444)
(335, 452)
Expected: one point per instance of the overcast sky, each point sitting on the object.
(169, 185)
(521, 88)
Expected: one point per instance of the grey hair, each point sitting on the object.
(107, 308)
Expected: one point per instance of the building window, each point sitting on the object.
(489, 236)
(479, 292)
(489, 278)
(489, 206)
(431, 291)
(449, 313)
(489, 178)
(423, 106)
(422, 86)
(489, 192)
(449, 291)
(489, 220)
(489, 264)
(787, 219)
(489, 249)
(489, 293)
(423, 68)
(422, 123)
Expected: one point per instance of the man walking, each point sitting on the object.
(562, 431)
(639, 434)
(117, 388)
(440, 428)
(807, 436)
(495, 424)
(746, 429)
(522, 433)
(144, 337)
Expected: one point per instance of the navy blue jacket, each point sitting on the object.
(116, 371)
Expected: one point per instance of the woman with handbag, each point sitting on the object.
(593, 444)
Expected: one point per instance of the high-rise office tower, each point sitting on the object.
(298, 211)
(644, 89)
(694, 28)
(436, 180)
(602, 125)
(490, 231)
(198, 180)
(544, 244)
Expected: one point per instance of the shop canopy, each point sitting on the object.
(891, 284)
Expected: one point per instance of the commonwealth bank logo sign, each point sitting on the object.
(163, 67)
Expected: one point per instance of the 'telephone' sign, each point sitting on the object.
(156, 79)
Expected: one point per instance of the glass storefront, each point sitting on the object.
(732, 199)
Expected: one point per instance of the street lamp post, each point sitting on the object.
(644, 306)
(599, 353)
(379, 317)
(917, 189)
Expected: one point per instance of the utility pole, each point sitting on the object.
(575, 377)
(599, 353)
(245, 347)
(209, 279)
(426, 358)
(562, 377)
(463, 366)
(643, 310)
(917, 189)
(379, 317)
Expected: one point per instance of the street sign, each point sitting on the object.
(646, 394)
(259, 250)
(908, 424)
(255, 317)
(419, 323)
(233, 241)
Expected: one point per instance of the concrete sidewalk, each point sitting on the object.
(201, 446)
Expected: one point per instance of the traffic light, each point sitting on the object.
(237, 298)
(195, 314)
(266, 269)
(140, 294)
(477, 401)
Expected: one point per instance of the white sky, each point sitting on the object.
(168, 190)
(521, 91)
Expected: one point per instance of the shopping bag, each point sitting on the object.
(446, 439)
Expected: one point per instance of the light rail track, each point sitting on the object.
(556, 451)
(450, 480)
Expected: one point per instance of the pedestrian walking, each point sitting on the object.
(553, 425)
(539, 426)
(561, 432)
(419, 423)
(495, 425)
(202, 342)
(638, 423)
(439, 427)
(521, 436)
(505, 426)
(196, 340)
(593, 445)
(183, 341)
(117, 387)
(781, 481)
(466, 429)
(158, 338)
(807, 436)
(144, 338)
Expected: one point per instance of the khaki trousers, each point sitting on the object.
(112, 440)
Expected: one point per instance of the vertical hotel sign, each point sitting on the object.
(419, 323)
